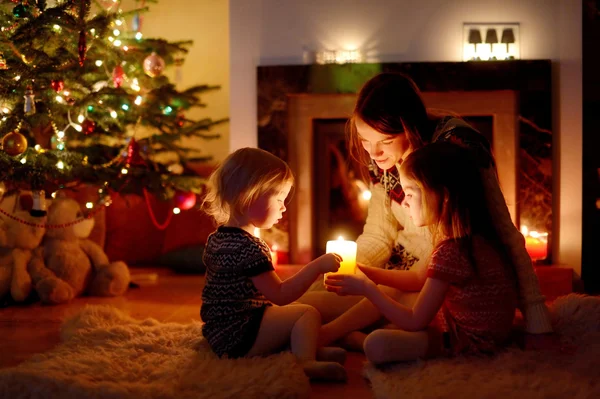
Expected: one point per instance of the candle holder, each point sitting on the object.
(347, 250)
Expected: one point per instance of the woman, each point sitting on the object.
(389, 121)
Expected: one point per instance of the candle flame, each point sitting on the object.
(340, 238)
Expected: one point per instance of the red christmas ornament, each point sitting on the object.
(133, 154)
(82, 47)
(184, 200)
(88, 126)
(118, 76)
(57, 85)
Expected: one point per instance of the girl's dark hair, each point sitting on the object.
(452, 191)
(391, 104)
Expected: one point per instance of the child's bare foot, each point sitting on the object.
(325, 371)
(331, 354)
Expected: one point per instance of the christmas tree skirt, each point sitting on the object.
(511, 374)
(107, 354)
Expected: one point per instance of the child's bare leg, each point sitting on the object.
(382, 346)
(297, 325)
(360, 316)
(329, 304)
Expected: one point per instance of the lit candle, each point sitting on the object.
(536, 244)
(347, 250)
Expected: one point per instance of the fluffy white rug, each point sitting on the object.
(513, 374)
(107, 354)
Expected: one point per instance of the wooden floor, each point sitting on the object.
(29, 329)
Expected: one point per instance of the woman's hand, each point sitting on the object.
(328, 263)
(348, 284)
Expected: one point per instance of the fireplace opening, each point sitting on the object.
(340, 197)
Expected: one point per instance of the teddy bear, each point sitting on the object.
(68, 264)
(19, 236)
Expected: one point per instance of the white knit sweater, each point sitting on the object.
(388, 225)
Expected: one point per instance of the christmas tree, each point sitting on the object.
(83, 100)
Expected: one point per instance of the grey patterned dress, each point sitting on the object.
(232, 307)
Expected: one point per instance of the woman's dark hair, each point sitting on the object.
(391, 104)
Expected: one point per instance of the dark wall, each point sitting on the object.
(590, 272)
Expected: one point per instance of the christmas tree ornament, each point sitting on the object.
(29, 105)
(133, 156)
(20, 11)
(136, 22)
(39, 207)
(57, 85)
(154, 65)
(118, 76)
(82, 47)
(3, 62)
(184, 200)
(88, 126)
(14, 143)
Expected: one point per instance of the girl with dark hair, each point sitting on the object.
(468, 301)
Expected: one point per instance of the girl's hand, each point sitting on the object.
(348, 284)
(328, 263)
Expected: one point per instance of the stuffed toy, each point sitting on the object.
(68, 264)
(18, 239)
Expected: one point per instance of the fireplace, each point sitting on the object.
(303, 110)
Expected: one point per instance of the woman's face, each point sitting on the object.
(385, 149)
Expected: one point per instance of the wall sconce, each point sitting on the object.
(338, 56)
(507, 48)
